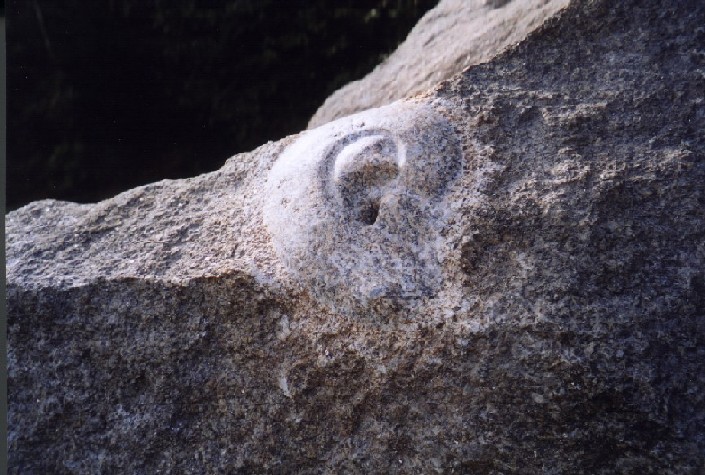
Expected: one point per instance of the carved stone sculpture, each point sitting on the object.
(275, 316)
(354, 207)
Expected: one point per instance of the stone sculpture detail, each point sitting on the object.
(353, 206)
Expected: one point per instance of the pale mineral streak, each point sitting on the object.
(193, 326)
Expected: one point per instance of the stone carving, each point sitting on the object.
(353, 206)
(158, 332)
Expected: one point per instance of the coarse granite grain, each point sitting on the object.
(166, 330)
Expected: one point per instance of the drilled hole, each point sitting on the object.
(369, 213)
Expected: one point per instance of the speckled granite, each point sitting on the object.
(170, 330)
(355, 207)
(453, 35)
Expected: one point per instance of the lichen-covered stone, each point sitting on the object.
(168, 330)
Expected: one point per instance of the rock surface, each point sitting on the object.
(449, 38)
(166, 331)
(355, 207)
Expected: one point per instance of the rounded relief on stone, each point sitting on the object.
(354, 207)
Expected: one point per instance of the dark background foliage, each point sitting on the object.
(104, 95)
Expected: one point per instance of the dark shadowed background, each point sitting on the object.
(105, 95)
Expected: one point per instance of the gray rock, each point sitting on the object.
(355, 207)
(449, 38)
(173, 329)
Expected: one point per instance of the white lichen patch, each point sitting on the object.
(354, 207)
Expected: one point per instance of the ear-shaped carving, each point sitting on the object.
(364, 172)
(353, 206)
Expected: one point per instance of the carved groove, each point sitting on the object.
(354, 206)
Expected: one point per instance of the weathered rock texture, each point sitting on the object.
(165, 331)
(355, 207)
(449, 38)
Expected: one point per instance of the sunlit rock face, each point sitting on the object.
(505, 275)
(355, 207)
(453, 35)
